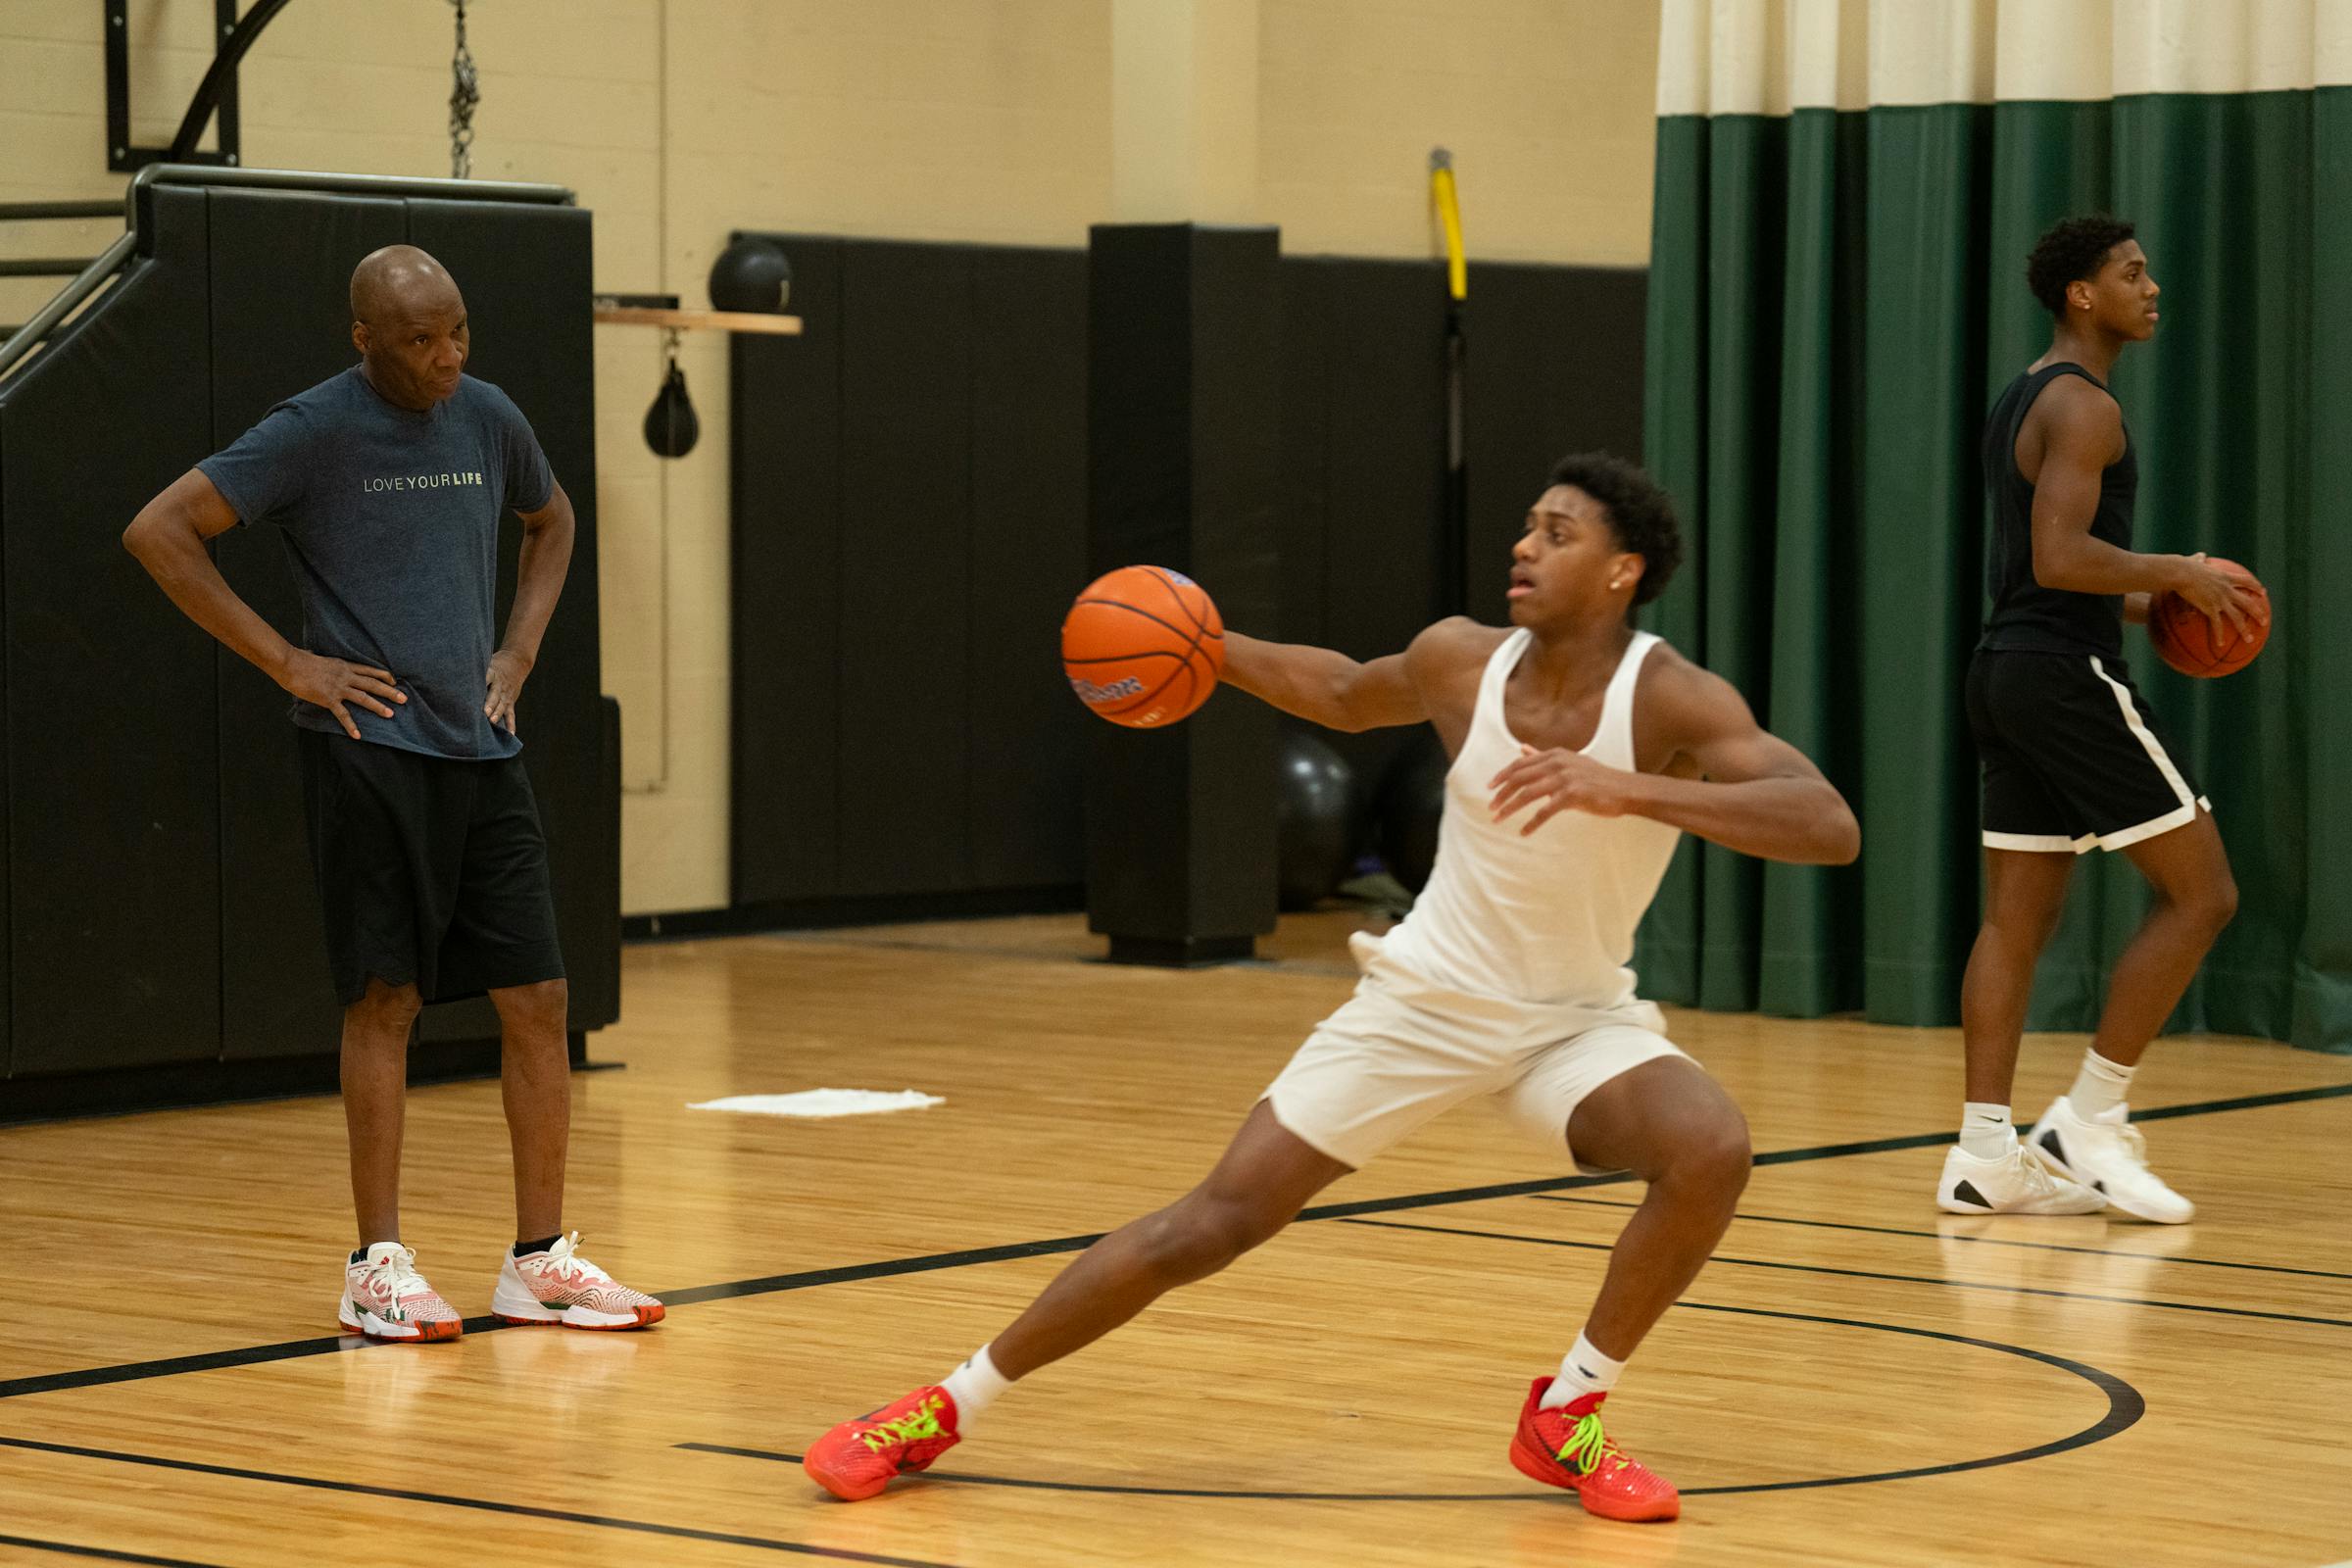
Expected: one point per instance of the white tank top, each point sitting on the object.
(1549, 917)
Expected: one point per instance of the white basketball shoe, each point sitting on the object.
(560, 1285)
(2106, 1153)
(2022, 1181)
(384, 1297)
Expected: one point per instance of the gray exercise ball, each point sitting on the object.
(1316, 813)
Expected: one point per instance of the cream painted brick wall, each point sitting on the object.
(678, 121)
(1546, 106)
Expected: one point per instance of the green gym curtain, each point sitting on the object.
(1845, 196)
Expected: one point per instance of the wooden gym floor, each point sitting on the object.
(1856, 1380)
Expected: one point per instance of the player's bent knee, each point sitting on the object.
(383, 1006)
(1716, 1158)
(544, 1001)
(2209, 906)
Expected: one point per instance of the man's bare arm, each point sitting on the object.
(1329, 689)
(169, 537)
(539, 572)
(2082, 432)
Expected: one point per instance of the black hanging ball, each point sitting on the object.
(671, 426)
(751, 275)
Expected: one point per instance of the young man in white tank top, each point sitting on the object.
(1583, 749)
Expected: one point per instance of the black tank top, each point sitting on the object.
(2025, 613)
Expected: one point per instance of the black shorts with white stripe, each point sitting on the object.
(2074, 759)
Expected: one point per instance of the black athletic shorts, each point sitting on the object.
(2072, 757)
(431, 869)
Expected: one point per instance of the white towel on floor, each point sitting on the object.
(824, 1103)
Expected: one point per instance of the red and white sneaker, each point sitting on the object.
(384, 1297)
(857, 1458)
(560, 1285)
(1567, 1448)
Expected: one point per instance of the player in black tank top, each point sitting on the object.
(2074, 759)
(2025, 614)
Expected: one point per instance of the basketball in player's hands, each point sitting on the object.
(2186, 638)
(1143, 646)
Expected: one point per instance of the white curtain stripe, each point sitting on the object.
(1767, 57)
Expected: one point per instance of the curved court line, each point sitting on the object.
(1984, 1241)
(2125, 1406)
(1874, 1274)
(798, 1549)
(173, 1366)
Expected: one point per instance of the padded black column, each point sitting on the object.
(1184, 472)
(109, 711)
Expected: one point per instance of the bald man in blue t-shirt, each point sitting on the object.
(388, 482)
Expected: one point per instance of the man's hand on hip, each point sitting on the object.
(330, 683)
(507, 671)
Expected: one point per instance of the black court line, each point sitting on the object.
(1984, 1241)
(799, 1548)
(2125, 1406)
(1874, 1274)
(67, 1549)
(173, 1366)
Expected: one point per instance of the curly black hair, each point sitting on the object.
(1640, 514)
(2073, 249)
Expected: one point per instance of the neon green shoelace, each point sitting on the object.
(1585, 1446)
(923, 1423)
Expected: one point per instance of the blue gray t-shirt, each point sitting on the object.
(391, 519)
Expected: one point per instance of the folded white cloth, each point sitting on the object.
(824, 1103)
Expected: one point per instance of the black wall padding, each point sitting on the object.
(1028, 551)
(114, 842)
(787, 554)
(1366, 422)
(904, 579)
(1553, 366)
(162, 907)
(909, 528)
(1185, 470)
(1301, 602)
(293, 329)
(839, 442)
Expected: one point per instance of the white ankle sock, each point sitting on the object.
(974, 1386)
(1985, 1129)
(2101, 1085)
(1583, 1370)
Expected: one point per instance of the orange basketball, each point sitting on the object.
(2185, 640)
(1143, 646)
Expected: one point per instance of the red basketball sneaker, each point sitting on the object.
(857, 1458)
(1567, 1448)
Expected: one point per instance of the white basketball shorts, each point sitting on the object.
(1404, 1049)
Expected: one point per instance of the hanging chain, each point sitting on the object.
(465, 93)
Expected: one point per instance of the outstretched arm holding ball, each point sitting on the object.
(1328, 688)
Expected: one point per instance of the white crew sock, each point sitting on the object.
(2101, 1085)
(1583, 1370)
(1985, 1129)
(974, 1386)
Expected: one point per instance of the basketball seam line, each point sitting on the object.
(1199, 632)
